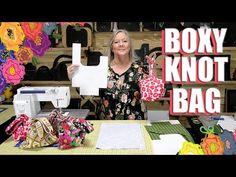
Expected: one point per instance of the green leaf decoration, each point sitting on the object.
(77, 27)
(56, 35)
(35, 61)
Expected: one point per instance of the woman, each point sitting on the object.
(121, 99)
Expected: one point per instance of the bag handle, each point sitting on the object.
(43, 125)
(55, 117)
(13, 127)
(16, 123)
(151, 61)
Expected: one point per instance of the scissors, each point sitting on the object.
(209, 129)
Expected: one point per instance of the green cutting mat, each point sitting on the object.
(158, 128)
(7, 111)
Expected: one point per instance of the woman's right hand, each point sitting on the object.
(71, 70)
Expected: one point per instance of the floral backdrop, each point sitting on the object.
(21, 43)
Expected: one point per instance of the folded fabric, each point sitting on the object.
(158, 128)
(229, 143)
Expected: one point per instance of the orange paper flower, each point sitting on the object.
(212, 145)
(11, 35)
(24, 55)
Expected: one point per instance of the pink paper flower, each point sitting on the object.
(13, 71)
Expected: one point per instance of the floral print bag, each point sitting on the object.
(151, 88)
(70, 131)
(19, 128)
(40, 134)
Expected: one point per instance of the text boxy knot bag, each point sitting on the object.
(151, 88)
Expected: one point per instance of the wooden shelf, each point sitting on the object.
(229, 48)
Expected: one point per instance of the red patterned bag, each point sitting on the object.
(19, 128)
(70, 131)
(151, 88)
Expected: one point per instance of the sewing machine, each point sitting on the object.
(27, 100)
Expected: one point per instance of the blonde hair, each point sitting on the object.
(132, 55)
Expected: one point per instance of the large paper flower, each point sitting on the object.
(48, 27)
(40, 45)
(13, 71)
(189, 148)
(212, 145)
(11, 35)
(32, 29)
(24, 55)
(229, 143)
(3, 83)
(4, 54)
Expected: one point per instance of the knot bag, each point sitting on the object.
(151, 88)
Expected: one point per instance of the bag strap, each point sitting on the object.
(151, 61)
(20, 120)
(13, 127)
(55, 117)
(39, 128)
(43, 125)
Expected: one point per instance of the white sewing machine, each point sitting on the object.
(27, 100)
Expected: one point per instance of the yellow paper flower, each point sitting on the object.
(190, 148)
(12, 35)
